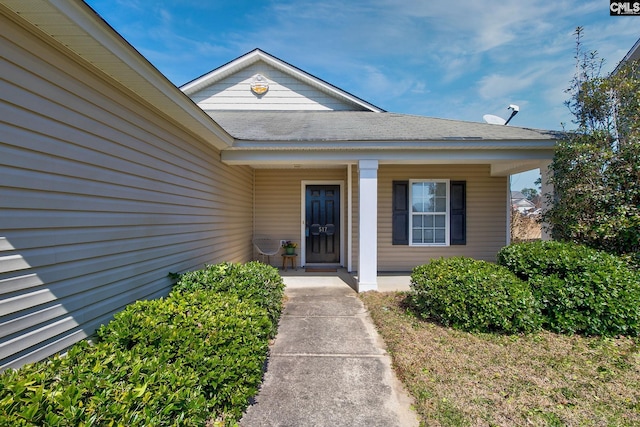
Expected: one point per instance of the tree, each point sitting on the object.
(533, 195)
(596, 169)
(529, 193)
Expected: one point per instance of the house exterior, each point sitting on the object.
(403, 189)
(111, 177)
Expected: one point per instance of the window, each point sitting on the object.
(403, 213)
(429, 214)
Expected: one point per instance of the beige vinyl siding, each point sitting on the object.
(486, 214)
(285, 93)
(100, 198)
(278, 202)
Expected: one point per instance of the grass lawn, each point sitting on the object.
(544, 379)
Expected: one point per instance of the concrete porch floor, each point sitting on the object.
(387, 282)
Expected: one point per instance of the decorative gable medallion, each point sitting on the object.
(259, 84)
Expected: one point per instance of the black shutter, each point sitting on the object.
(458, 213)
(400, 229)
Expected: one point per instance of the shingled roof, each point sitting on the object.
(354, 126)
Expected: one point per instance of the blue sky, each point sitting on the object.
(450, 59)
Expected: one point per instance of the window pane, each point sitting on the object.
(428, 236)
(422, 196)
(441, 205)
(440, 220)
(428, 221)
(428, 204)
(417, 189)
(430, 188)
(439, 235)
(417, 235)
(417, 221)
(441, 189)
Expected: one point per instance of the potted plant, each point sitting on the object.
(289, 247)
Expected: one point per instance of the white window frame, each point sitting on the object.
(447, 232)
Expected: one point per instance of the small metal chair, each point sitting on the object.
(266, 247)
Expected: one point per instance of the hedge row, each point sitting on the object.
(563, 287)
(251, 281)
(474, 296)
(579, 289)
(191, 359)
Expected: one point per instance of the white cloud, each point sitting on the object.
(165, 16)
(500, 85)
(518, 77)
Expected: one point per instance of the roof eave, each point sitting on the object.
(632, 55)
(95, 42)
(388, 145)
(289, 158)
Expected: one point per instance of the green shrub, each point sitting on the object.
(102, 385)
(188, 359)
(542, 258)
(473, 296)
(218, 338)
(253, 281)
(579, 289)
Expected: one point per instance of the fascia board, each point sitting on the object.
(220, 72)
(319, 83)
(469, 144)
(241, 157)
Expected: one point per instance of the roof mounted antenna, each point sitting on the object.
(497, 120)
(514, 111)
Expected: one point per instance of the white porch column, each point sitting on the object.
(368, 225)
(350, 218)
(547, 188)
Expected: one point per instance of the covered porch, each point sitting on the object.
(357, 238)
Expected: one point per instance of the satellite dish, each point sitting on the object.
(493, 120)
(497, 120)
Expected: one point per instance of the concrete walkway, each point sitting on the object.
(328, 366)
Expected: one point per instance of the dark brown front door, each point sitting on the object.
(322, 224)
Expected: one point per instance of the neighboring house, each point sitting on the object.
(521, 203)
(111, 177)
